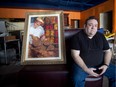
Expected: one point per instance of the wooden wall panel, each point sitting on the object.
(114, 17)
(95, 11)
(20, 13)
(73, 15)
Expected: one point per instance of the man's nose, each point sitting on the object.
(92, 27)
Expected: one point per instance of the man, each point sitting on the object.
(36, 35)
(91, 52)
(36, 30)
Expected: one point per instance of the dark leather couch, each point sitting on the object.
(49, 75)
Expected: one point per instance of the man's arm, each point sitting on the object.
(35, 38)
(107, 59)
(78, 60)
(107, 56)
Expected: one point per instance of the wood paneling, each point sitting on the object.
(20, 13)
(73, 15)
(95, 11)
(114, 17)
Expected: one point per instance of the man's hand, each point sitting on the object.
(103, 68)
(91, 72)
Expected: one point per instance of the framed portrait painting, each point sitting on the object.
(43, 41)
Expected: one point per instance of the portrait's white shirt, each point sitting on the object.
(39, 31)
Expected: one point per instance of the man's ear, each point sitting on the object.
(84, 25)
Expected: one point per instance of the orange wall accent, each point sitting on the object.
(12, 13)
(73, 15)
(20, 13)
(114, 17)
(95, 11)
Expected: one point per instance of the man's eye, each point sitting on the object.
(96, 25)
(89, 25)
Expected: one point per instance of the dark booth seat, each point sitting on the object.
(49, 75)
(44, 76)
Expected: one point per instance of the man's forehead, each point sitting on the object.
(92, 21)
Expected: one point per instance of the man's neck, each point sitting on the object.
(90, 37)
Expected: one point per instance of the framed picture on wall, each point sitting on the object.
(43, 41)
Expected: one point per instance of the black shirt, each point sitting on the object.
(91, 50)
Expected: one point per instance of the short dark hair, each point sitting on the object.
(90, 18)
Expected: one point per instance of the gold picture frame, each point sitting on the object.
(44, 45)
